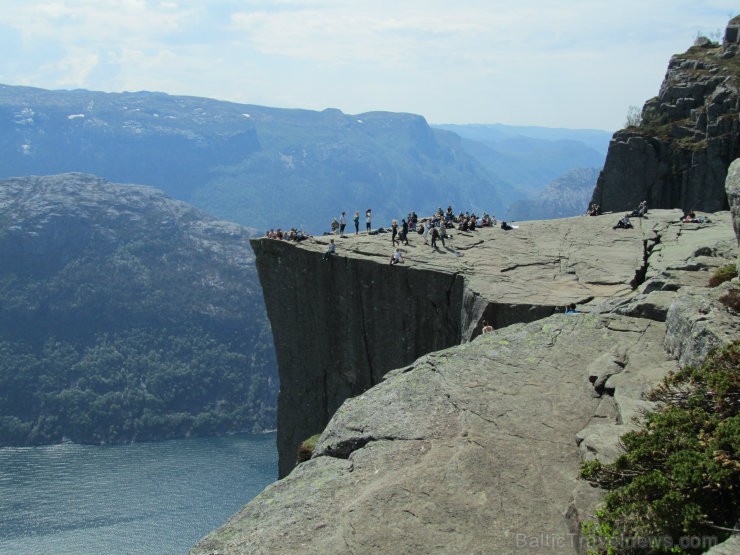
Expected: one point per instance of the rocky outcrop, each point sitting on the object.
(732, 188)
(370, 317)
(476, 448)
(678, 155)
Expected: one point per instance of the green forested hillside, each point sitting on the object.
(125, 316)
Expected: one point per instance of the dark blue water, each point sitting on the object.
(149, 498)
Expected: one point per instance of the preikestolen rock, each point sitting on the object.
(340, 325)
(433, 447)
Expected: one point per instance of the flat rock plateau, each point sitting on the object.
(436, 438)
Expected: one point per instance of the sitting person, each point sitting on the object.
(396, 257)
(624, 223)
(331, 249)
(505, 226)
(640, 211)
(571, 309)
(486, 327)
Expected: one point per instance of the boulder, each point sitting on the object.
(732, 188)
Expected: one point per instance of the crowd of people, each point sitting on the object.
(432, 228)
(292, 235)
(435, 228)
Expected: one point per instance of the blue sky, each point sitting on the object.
(568, 63)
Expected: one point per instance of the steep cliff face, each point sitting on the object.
(677, 155)
(328, 320)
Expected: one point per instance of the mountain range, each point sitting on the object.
(268, 167)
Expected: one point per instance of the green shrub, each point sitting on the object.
(676, 487)
(723, 274)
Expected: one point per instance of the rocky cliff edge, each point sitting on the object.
(472, 448)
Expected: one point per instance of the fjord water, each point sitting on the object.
(146, 498)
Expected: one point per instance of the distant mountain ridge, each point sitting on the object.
(269, 167)
(563, 197)
(529, 157)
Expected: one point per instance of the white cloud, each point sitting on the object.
(573, 63)
(75, 67)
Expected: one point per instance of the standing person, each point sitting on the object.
(394, 231)
(342, 223)
(442, 234)
(368, 219)
(357, 222)
(405, 232)
(435, 234)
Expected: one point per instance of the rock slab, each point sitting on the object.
(469, 450)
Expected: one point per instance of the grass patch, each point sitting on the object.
(723, 274)
(306, 448)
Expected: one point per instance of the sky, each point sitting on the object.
(577, 64)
